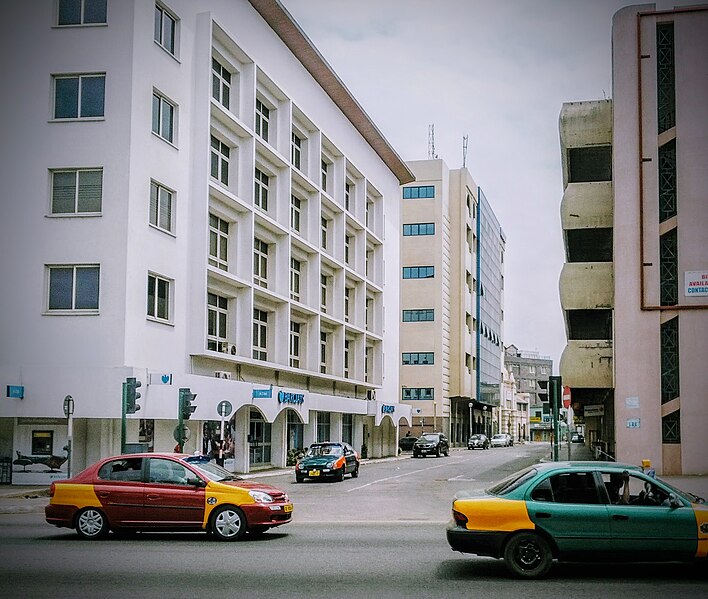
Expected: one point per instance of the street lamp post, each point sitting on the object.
(470, 405)
(69, 413)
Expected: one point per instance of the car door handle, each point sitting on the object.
(619, 517)
(542, 515)
(153, 496)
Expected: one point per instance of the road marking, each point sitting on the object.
(462, 478)
(381, 480)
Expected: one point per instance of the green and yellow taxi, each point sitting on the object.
(577, 511)
(164, 492)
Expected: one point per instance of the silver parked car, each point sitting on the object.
(500, 440)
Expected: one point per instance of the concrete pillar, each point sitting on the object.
(278, 442)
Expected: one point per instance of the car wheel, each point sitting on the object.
(228, 523)
(437, 452)
(355, 473)
(91, 524)
(299, 478)
(447, 452)
(527, 555)
(339, 477)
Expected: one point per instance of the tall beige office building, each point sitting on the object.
(651, 370)
(452, 285)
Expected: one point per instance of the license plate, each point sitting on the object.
(288, 508)
(314, 473)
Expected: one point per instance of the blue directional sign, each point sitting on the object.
(262, 393)
(16, 391)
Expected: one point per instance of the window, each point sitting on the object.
(295, 212)
(369, 213)
(667, 181)
(347, 247)
(294, 279)
(81, 12)
(77, 191)
(323, 353)
(665, 76)
(260, 334)
(158, 297)
(668, 268)
(369, 309)
(671, 428)
(348, 186)
(165, 29)
(42, 442)
(323, 293)
(347, 301)
(167, 472)
(220, 156)
(368, 357)
(418, 358)
(427, 315)
(160, 207)
(670, 369)
(218, 242)
(419, 192)
(324, 166)
(348, 428)
(217, 320)
(589, 245)
(568, 487)
(79, 96)
(262, 119)
(296, 150)
(220, 83)
(347, 345)
(260, 262)
(418, 272)
(295, 344)
(415, 393)
(588, 164)
(73, 288)
(419, 229)
(323, 225)
(589, 324)
(163, 117)
(323, 426)
(260, 197)
(126, 469)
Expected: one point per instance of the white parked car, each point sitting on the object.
(500, 440)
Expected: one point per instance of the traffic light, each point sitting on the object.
(186, 397)
(555, 393)
(132, 395)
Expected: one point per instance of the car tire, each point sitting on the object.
(339, 477)
(355, 473)
(447, 453)
(228, 523)
(528, 555)
(91, 524)
(437, 452)
(299, 478)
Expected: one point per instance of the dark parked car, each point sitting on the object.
(406, 443)
(478, 442)
(328, 460)
(431, 444)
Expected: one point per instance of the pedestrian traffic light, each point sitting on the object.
(132, 395)
(186, 397)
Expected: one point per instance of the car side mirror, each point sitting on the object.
(196, 482)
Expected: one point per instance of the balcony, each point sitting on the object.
(586, 286)
(587, 363)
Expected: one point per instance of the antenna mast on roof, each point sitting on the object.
(464, 150)
(431, 142)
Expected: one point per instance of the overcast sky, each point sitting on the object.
(498, 72)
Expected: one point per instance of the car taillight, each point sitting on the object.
(52, 489)
(459, 518)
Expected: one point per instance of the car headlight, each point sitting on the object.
(261, 497)
(330, 464)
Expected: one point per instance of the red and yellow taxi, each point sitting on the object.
(164, 492)
(579, 511)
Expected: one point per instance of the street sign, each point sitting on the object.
(224, 408)
(186, 434)
(566, 397)
(16, 391)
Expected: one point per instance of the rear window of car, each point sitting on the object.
(512, 482)
(129, 469)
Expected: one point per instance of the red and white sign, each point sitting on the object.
(566, 397)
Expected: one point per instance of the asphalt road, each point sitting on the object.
(381, 535)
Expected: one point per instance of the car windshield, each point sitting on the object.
(512, 482)
(324, 450)
(498, 436)
(476, 436)
(432, 438)
(685, 494)
(212, 471)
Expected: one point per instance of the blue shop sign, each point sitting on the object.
(294, 398)
(385, 409)
(262, 393)
(16, 391)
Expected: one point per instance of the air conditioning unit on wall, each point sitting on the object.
(222, 374)
(371, 394)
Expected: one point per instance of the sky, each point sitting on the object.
(499, 73)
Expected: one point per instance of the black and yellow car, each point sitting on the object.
(574, 511)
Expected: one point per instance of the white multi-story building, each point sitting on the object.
(191, 197)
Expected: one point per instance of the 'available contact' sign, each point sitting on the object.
(696, 283)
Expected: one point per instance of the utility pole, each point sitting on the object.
(555, 389)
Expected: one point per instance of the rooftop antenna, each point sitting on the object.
(431, 142)
(464, 150)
